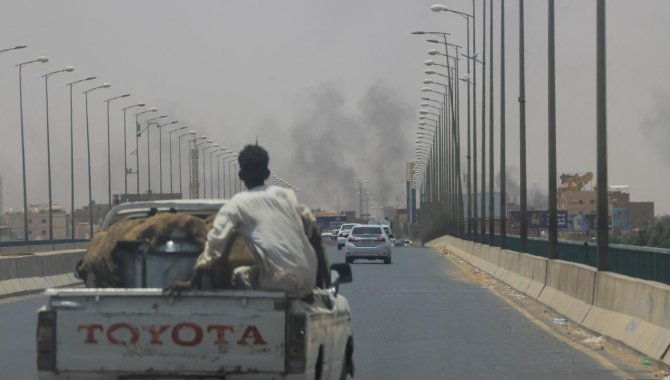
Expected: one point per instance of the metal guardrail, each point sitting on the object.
(23, 243)
(34, 246)
(646, 263)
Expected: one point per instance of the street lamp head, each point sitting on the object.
(434, 41)
(20, 46)
(438, 8)
(428, 62)
(106, 85)
(152, 109)
(419, 32)
(140, 104)
(90, 78)
(423, 112)
(427, 81)
(69, 69)
(426, 89)
(124, 96)
(433, 52)
(429, 72)
(424, 105)
(191, 132)
(42, 59)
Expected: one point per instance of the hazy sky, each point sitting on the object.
(331, 89)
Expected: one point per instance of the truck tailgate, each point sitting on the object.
(143, 330)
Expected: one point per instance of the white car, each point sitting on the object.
(369, 242)
(343, 233)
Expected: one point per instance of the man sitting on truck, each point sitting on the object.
(274, 224)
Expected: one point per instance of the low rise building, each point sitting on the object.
(38, 223)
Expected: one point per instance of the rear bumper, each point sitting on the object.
(367, 252)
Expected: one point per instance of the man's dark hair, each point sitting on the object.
(254, 161)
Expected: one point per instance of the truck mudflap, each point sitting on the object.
(144, 331)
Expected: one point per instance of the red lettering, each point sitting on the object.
(90, 332)
(156, 334)
(220, 332)
(251, 333)
(134, 333)
(197, 334)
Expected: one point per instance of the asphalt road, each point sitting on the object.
(412, 319)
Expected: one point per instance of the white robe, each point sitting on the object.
(271, 219)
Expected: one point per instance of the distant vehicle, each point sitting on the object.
(369, 242)
(343, 233)
(400, 242)
(389, 233)
(379, 221)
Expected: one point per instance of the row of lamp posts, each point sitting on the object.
(223, 153)
(437, 155)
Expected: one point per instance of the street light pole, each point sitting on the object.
(522, 134)
(204, 169)
(190, 133)
(491, 125)
(88, 155)
(170, 138)
(109, 151)
(46, 92)
(601, 125)
(23, 149)
(138, 132)
(72, 218)
(553, 212)
(160, 154)
(126, 170)
(503, 195)
(148, 129)
(483, 195)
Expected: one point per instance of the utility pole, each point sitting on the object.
(491, 161)
(553, 212)
(601, 123)
(503, 195)
(522, 134)
(484, 118)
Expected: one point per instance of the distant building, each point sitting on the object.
(578, 202)
(38, 223)
(626, 214)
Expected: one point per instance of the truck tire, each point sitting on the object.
(349, 260)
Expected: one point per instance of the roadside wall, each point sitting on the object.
(27, 274)
(633, 311)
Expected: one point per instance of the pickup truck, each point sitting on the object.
(139, 332)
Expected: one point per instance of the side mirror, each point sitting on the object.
(340, 273)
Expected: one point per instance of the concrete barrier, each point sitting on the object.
(633, 311)
(569, 289)
(33, 273)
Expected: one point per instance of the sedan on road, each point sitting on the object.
(369, 242)
(343, 234)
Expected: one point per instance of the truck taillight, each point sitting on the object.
(295, 343)
(381, 238)
(46, 340)
(352, 239)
